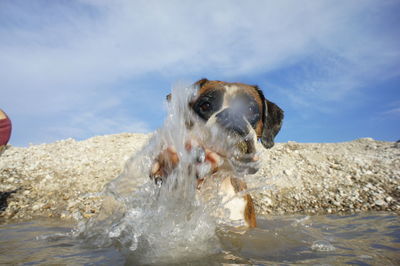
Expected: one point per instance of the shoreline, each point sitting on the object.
(62, 179)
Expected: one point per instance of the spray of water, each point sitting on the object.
(152, 223)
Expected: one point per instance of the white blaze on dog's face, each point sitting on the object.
(240, 109)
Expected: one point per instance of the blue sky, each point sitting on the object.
(92, 67)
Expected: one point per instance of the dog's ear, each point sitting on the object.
(272, 123)
(201, 82)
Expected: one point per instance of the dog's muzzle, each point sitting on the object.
(233, 122)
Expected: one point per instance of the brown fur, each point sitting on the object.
(265, 129)
(250, 214)
(239, 185)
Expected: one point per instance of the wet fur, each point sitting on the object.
(266, 128)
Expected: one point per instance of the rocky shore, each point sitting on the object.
(62, 179)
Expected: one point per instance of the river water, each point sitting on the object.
(362, 239)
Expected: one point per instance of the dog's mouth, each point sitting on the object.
(245, 150)
(246, 146)
(232, 143)
(243, 156)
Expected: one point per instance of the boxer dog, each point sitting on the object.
(245, 116)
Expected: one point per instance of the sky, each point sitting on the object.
(81, 68)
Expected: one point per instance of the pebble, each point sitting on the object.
(287, 172)
(380, 202)
(267, 201)
(388, 199)
(36, 207)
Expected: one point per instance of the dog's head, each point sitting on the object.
(238, 108)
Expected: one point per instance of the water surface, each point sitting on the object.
(365, 239)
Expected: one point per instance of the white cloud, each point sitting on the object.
(86, 125)
(394, 111)
(134, 37)
(56, 60)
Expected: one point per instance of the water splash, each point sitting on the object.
(151, 223)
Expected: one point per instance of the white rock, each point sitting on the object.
(287, 172)
(36, 207)
(380, 202)
(388, 199)
(267, 201)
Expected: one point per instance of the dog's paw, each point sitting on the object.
(203, 162)
(163, 165)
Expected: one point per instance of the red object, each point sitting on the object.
(5, 128)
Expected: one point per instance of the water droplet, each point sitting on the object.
(322, 246)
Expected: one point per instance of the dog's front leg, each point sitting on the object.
(163, 165)
(240, 206)
(205, 162)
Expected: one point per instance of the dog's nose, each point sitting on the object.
(233, 121)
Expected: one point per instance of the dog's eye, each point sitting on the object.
(208, 103)
(253, 114)
(206, 106)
